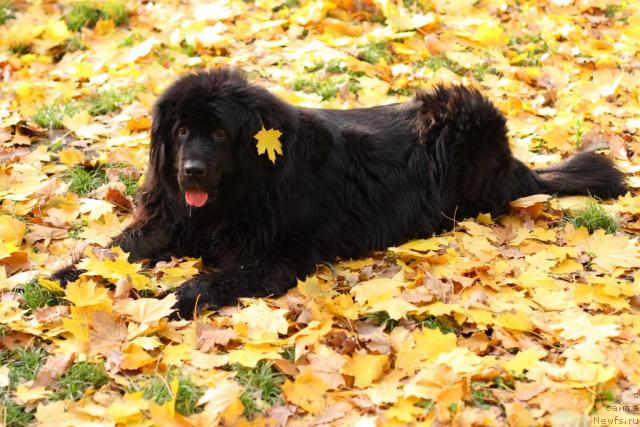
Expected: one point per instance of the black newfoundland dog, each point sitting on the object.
(349, 181)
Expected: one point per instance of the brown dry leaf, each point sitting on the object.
(108, 333)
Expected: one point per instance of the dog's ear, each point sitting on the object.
(157, 153)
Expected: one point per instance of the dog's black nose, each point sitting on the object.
(194, 168)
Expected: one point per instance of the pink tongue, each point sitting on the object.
(196, 198)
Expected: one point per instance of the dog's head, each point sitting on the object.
(202, 132)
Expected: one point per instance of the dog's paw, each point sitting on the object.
(67, 275)
(193, 295)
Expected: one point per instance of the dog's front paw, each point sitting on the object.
(193, 295)
(67, 275)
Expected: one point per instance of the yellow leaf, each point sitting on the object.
(365, 368)
(425, 245)
(251, 354)
(56, 31)
(397, 308)
(375, 290)
(526, 359)
(85, 294)
(312, 288)
(567, 265)
(427, 345)
(269, 142)
(343, 305)
(78, 324)
(25, 394)
(113, 270)
(175, 355)
(11, 230)
(52, 285)
(262, 323)
(135, 357)
(149, 310)
(71, 156)
(518, 321)
(128, 409)
(307, 391)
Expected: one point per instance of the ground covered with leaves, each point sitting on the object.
(528, 319)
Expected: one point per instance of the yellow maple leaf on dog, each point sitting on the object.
(269, 142)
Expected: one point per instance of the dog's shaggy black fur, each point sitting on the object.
(350, 181)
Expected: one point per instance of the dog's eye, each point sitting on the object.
(182, 131)
(219, 135)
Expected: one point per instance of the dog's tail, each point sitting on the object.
(585, 173)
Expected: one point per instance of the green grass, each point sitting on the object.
(83, 181)
(327, 88)
(50, 116)
(445, 325)
(12, 414)
(158, 390)
(20, 48)
(76, 229)
(532, 45)
(131, 183)
(594, 216)
(23, 363)
(79, 378)
(374, 52)
(289, 353)
(88, 13)
(262, 387)
(381, 318)
(427, 404)
(36, 295)
(437, 62)
(579, 133)
(109, 100)
(481, 71)
(481, 395)
(6, 11)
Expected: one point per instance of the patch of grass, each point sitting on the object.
(289, 354)
(82, 14)
(116, 11)
(427, 404)
(262, 387)
(595, 217)
(79, 378)
(50, 116)
(158, 390)
(12, 414)
(579, 133)
(612, 10)
(437, 62)
(532, 46)
(481, 395)
(131, 183)
(290, 4)
(110, 100)
(20, 48)
(83, 181)
(23, 363)
(504, 384)
(76, 229)
(6, 11)
(374, 52)
(481, 71)
(36, 296)
(88, 13)
(446, 326)
(327, 88)
(381, 318)
(75, 43)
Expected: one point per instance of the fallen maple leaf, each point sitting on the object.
(269, 142)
